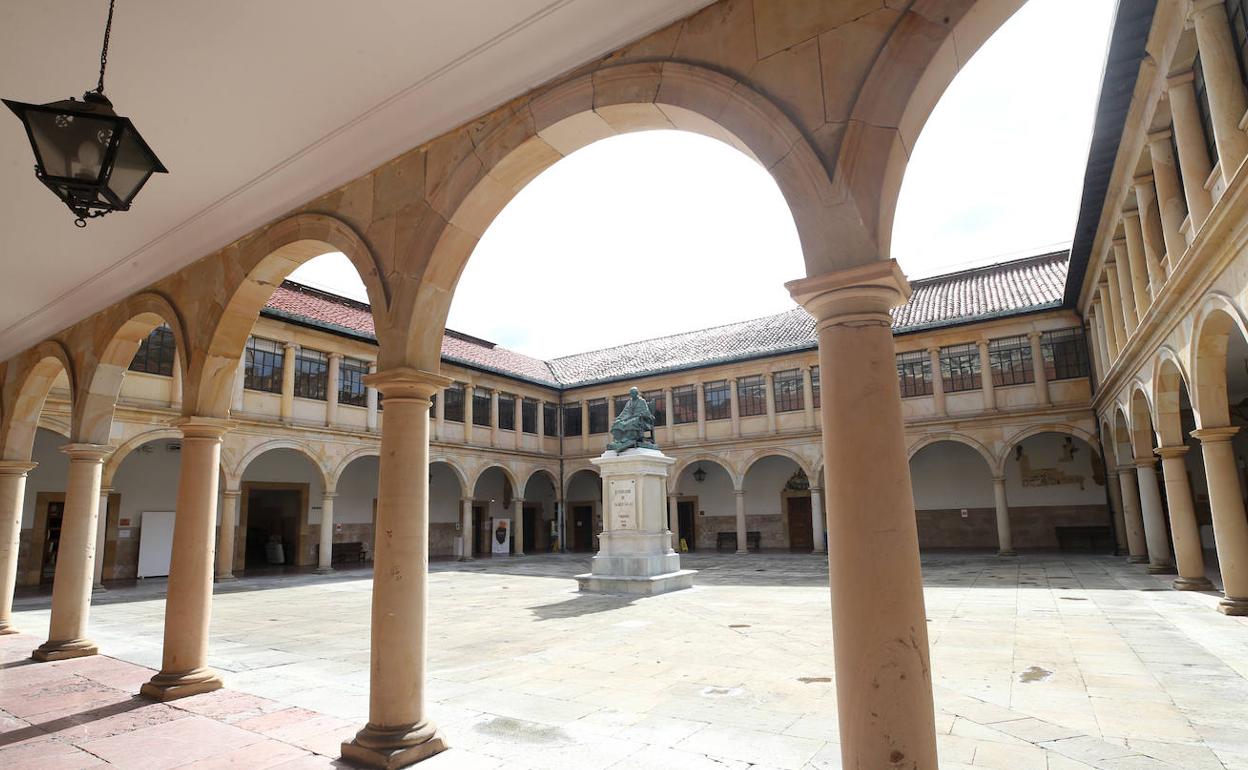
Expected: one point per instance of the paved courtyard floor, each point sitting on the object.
(1046, 662)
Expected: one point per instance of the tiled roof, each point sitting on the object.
(1003, 289)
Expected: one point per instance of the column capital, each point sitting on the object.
(16, 467)
(1034, 335)
(998, 479)
(1142, 180)
(1126, 468)
(862, 294)
(1202, 6)
(231, 493)
(739, 492)
(1145, 462)
(406, 382)
(1215, 435)
(466, 500)
(1119, 243)
(1167, 452)
(1131, 214)
(289, 346)
(335, 356)
(204, 427)
(814, 489)
(328, 495)
(1182, 78)
(1160, 136)
(88, 452)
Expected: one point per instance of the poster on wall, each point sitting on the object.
(500, 540)
(155, 543)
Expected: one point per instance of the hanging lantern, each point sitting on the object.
(699, 475)
(93, 159)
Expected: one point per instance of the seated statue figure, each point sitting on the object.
(634, 425)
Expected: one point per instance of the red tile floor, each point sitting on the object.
(85, 713)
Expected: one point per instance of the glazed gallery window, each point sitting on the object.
(1202, 105)
(814, 385)
(453, 403)
(684, 405)
(155, 354)
(959, 367)
(481, 407)
(658, 405)
(550, 419)
(1009, 359)
(788, 387)
(914, 372)
(598, 415)
(528, 415)
(1065, 354)
(572, 419)
(751, 395)
(311, 374)
(506, 411)
(351, 389)
(620, 402)
(717, 399)
(262, 365)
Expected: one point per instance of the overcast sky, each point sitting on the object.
(648, 234)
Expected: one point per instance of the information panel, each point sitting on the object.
(624, 504)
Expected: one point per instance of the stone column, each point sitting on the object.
(1183, 528)
(518, 411)
(673, 521)
(1230, 525)
(225, 535)
(1170, 201)
(468, 409)
(742, 540)
(938, 380)
(240, 378)
(1189, 136)
(1113, 319)
(734, 407)
(399, 732)
(331, 389)
(1040, 375)
(101, 540)
(517, 537)
(288, 381)
(1224, 85)
(1123, 319)
(494, 417)
(770, 379)
(188, 606)
(325, 551)
(1159, 561)
(1004, 541)
(987, 386)
(439, 416)
(884, 686)
(1122, 268)
(370, 403)
(1101, 346)
(818, 517)
(1137, 546)
(1136, 261)
(808, 395)
(465, 528)
(701, 395)
(1113, 486)
(75, 563)
(585, 423)
(670, 418)
(1150, 228)
(12, 497)
(541, 425)
(175, 383)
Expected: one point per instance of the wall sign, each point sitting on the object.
(624, 504)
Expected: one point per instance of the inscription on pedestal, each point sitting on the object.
(624, 504)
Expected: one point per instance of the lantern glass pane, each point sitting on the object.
(133, 166)
(70, 146)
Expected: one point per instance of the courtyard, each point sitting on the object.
(1042, 661)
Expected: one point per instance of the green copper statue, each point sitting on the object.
(633, 426)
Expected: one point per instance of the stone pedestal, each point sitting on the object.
(635, 555)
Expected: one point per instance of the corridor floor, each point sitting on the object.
(1043, 662)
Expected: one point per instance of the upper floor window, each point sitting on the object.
(1237, 14)
(619, 402)
(528, 415)
(684, 404)
(572, 419)
(453, 402)
(506, 411)
(351, 388)
(1009, 360)
(1065, 353)
(481, 407)
(788, 387)
(598, 415)
(959, 367)
(262, 365)
(1202, 108)
(550, 419)
(717, 399)
(751, 395)
(814, 385)
(156, 353)
(311, 374)
(914, 372)
(658, 406)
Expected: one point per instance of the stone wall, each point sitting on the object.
(1030, 528)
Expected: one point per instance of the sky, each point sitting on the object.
(654, 233)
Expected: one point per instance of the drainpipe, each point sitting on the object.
(561, 504)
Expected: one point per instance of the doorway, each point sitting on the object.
(801, 531)
(532, 514)
(686, 516)
(582, 527)
(54, 516)
(481, 531)
(273, 515)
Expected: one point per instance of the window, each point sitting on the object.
(506, 411)
(658, 402)
(550, 419)
(684, 405)
(1065, 354)
(620, 402)
(572, 419)
(481, 407)
(788, 387)
(262, 361)
(959, 367)
(453, 402)
(1235, 13)
(717, 399)
(751, 395)
(528, 415)
(1009, 360)
(155, 354)
(311, 374)
(1202, 106)
(351, 389)
(598, 415)
(814, 385)
(914, 371)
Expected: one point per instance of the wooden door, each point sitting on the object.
(582, 528)
(801, 533)
(685, 519)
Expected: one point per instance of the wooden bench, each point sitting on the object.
(1085, 538)
(727, 541)
(346, 553)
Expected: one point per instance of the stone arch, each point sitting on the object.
(777, 452)
(122, 328)
(29, 379)
(1141, 422)
(683, 463)
(119, 455)
(1108, 449)
(957, 438)
(56, 425)
(508, 473)
(1216, 320)
(1035, 430)
(1120, 435)
(334, 474)
(261, 263)
(1169, 382)
(570, 471)
(553, 473)
(235, 476)
(460, 474)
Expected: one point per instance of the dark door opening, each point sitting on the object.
(685, 519)
(482, 531)
(52, 541)
(532, 513)
(801, 530)
(582, 528)
(272, 527)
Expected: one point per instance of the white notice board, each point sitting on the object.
(155, 543)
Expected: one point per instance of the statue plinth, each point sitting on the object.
(635, 548)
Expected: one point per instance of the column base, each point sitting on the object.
(1237, 607)
(393, 748)
(325, 570)
(64, 650)
(1007, 552)
(742, 551)
(1192, 584)
(98, 589)
(1162, 569)
(224, 578)
(1137, 559)
(466, 558)
(166, 687)
(6, 628)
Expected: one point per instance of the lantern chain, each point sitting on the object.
(108, 28)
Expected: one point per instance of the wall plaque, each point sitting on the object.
(624, 504)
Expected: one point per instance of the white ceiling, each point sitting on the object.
(255, 107)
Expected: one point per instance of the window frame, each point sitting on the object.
(274, 359)
(481, 397)
(599, 417)
(658, 406)
(717, 400)
(788, 391)
(961, 370)
(572, 414)
(550, 418)
(684, 404)
(528, 415)
(507, 405)
(1009, 361)
(1072, 362)
(351, 388)
(157, 353)
(751, 395)
(311, 374)
(908, 364)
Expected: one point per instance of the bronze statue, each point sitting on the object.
(634, 425)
